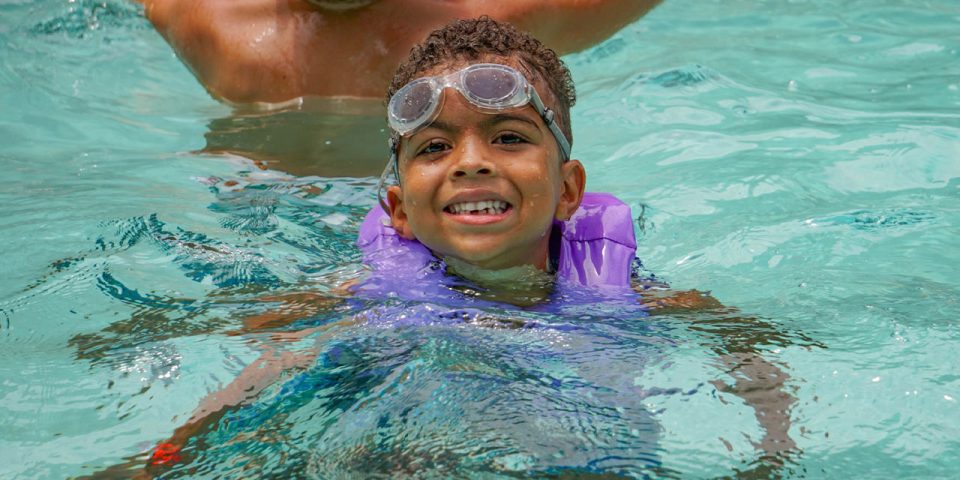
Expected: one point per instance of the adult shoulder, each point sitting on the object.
(212, 37)
(569, 26)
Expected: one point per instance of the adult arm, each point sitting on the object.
(230, 46)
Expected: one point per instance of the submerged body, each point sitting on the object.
(425, 389)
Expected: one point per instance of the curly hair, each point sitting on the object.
(476, 39)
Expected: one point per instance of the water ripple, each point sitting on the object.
(882, 219)
(686, 76)
(85, 17)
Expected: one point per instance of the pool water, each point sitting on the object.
(798, 159)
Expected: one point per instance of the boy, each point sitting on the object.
(481, 147)
(482, 181)
(485, 178)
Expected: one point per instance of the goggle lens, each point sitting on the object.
(490, 86)
(413, 103)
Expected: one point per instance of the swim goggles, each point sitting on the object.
(490, 87)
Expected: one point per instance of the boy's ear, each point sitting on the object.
(574, 179)
(398, 216)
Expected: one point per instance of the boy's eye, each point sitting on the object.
(433, 147)
(510, 139)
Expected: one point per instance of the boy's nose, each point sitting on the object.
(472, 161)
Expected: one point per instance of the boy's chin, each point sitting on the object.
(477, 258)
(493, 272)
(490, 252)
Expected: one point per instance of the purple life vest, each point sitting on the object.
(596, 247)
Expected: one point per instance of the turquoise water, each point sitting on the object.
(799, 159)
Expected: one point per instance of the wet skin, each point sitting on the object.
(484, 188)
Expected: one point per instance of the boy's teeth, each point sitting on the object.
(489, 207)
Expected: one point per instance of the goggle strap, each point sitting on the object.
(561, 138)
(391, 167)
(549, 117)
(394, 149)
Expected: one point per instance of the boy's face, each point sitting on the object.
(484, 188)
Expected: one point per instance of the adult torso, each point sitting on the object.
(295, 48)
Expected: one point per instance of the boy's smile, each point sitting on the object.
(477, 208)
(484, 188)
